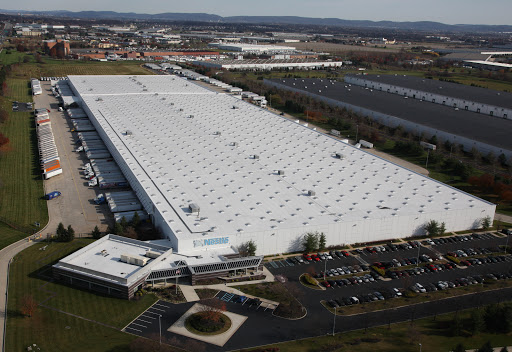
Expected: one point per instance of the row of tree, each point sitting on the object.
(494, 318)
(313, 241)
(65, 234)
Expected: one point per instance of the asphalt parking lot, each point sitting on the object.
(292, 270)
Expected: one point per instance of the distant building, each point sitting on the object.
(58, 48)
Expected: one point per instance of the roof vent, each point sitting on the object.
(234, 144)
(339, 156)
(217, 133)
(128, 133)
(280, 172)
(194, 208)
(190, 116)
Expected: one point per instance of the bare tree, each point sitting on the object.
(212, 309)
(28, 305)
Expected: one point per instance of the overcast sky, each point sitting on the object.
(445, 11)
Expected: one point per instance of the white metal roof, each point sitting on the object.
(180, 160)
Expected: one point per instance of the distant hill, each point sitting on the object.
(204, 17)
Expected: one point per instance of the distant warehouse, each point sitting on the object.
(461, 96)
(268, 64)
(213, 177)
(454, 124)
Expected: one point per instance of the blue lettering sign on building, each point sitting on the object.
(211, 241)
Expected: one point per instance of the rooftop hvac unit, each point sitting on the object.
(181, 109)
(234, 144)
(194, 208)
(135, 260)
(152, 254)
(235, 107)
(217, 133)
(339, 156)
(128, 133)
(311, 193)
(99, 99)
(280, 172)
(190, 116)
(255, 156)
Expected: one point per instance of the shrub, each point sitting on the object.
(379, 271)
(310, 280)
(453, 259)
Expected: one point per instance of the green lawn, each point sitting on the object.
(21, 184)
(9, 235)
(30, 273)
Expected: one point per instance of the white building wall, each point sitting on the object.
(431, 97)
(393, 121)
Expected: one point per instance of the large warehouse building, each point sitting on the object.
(215, 172)
(461, 96)
(460, 127)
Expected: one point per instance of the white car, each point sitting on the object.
(420, 288)
(397, 292)
(327, 256)
(430, 242)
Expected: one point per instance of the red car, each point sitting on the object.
(465, 262)
(326, 284)
(345, 253)
(307, 257)
(315, 257)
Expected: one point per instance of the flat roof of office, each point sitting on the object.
(450, 89)
(479, 127)
(180, 160)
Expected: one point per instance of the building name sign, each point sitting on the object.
(211, 241)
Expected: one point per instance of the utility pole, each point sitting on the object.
(160, 326)
(325, 267)
(428, 153)
(334, 324)
(418, 258)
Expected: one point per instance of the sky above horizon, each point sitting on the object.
(445, 11)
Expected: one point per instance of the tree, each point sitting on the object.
(459, 348)
(123, 222)
(61, 232)
(321, 242)
(310, 241)
(477, 321)
(4, 116)
(486, 222)
(502, 159)
(486, 347)
(28, 305)
(432, 228)
(212, 309)
(96, 233)
(247, 249)
(251, 248)
(118, 229)
(456, 326)
(70, 234)
(442, 229)
(504, 349)
(135, 220)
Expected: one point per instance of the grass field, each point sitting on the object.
(31, 273)
(434, 335)
(21, 185)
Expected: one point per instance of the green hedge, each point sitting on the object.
(453, 259)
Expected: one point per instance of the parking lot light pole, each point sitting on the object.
(160, 326)
(506, 243)
(418, 259)
(420, 346)
(325, 267)
(334, 324)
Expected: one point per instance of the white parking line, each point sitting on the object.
(142, 315)
(149, 322)
(152, 312)
(162, 310)
(160, 305)
(144, 326)
(133, 329)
